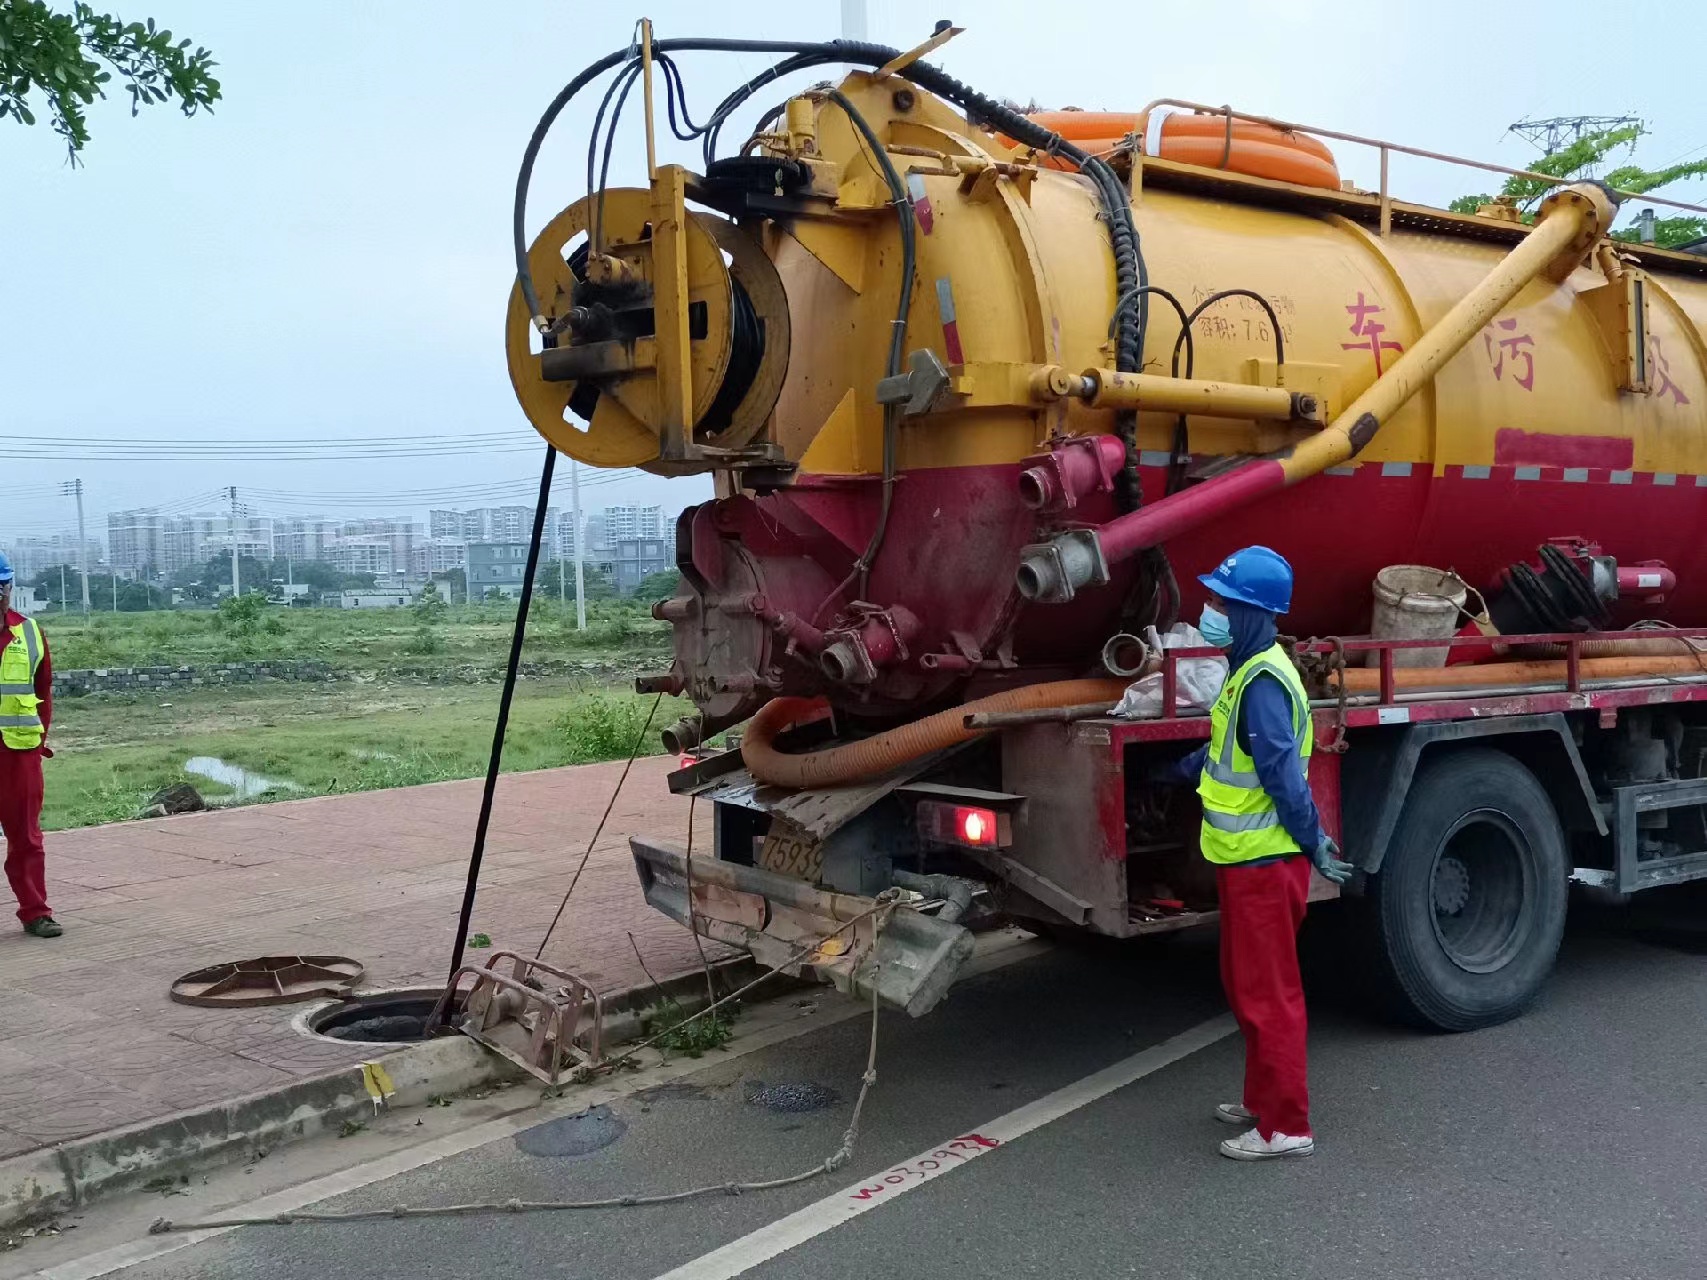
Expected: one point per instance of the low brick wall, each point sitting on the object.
(132, 679)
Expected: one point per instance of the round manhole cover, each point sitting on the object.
(267, 980)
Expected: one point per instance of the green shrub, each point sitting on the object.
(604, 727)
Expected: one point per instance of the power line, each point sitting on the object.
(1555, 134)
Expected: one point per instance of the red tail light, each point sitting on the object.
(976, 826)
(962, 824)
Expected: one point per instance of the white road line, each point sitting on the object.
(740, 1256)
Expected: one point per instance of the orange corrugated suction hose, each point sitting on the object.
(1368, 679)
(875, 756)
(1658, 646)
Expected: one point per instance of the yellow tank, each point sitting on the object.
(1578, 409)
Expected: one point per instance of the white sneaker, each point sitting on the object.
(1251, 1145)
(1233, 1113)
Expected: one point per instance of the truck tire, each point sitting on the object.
(1469, 905)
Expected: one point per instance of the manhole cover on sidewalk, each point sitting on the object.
(267, 980)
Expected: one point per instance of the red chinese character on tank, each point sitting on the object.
(1517, 346)
(1366, 327)
(1665, 386)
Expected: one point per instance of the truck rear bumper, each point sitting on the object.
(913, 960)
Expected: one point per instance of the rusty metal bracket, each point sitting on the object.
(943, 34)
(546, 1032)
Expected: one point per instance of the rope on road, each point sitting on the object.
(834, 1161)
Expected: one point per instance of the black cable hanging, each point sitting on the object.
(494, 761)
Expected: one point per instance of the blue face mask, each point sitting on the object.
(1215, 628)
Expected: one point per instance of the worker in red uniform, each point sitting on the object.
(1262, 832)
(26, 708)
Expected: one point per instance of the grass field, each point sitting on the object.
(349, 639)
(378, 725)
(113, 751)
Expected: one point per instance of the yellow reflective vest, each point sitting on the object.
(20, 709)
(1240, 822)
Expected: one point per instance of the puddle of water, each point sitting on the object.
(244, 784)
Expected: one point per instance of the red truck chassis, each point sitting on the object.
(1466, 813)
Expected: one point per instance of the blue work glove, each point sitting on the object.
(1326, 859)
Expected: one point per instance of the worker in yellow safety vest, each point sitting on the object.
(1263, 833)
(26, 709)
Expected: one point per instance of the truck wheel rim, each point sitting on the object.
(1480, 891)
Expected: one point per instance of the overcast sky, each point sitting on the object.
(328, 255)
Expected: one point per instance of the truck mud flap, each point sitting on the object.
(914, 961)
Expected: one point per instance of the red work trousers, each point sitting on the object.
(1261, 909)
(20, 817)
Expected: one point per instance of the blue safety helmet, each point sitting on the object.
(1255, 576)
(5, 568)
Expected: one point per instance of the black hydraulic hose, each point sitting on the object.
(597, 175)
(494, 760)
(1127, 299)
(903, 203)
(1212, 299)
(739, 96)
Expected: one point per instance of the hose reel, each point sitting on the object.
(599, 382)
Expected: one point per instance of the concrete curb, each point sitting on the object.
(53, 1180)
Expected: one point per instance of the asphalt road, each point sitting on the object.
(1568, 1143)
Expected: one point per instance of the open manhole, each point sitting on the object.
(267, 980)
(385, 1017)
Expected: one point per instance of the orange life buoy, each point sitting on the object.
(1251, 148)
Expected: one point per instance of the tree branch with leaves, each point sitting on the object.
(1580, 160)
(62, 59)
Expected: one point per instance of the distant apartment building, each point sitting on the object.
(442, 523)
(633, 559)
(382, 545)
(135, 542)
(303, 537)
(488, 524)
(369, 554)
(187, 541)
(496, 564)
(622, 523)
(31, 556)
(562, 531)
(437, 556)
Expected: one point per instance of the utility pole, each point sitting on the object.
(64, 600)
(853, 19)
(75, 488)
(580, 537)
(115, 581)
(236, 589)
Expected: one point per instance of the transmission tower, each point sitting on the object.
(1555, 135)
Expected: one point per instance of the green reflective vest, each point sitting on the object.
(1240, 822)
(20, 709)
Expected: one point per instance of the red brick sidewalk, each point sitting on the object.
(88, 1038)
